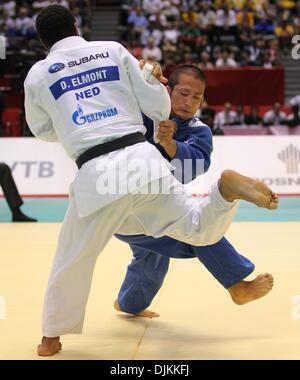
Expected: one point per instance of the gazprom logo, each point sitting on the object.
(56, 67)
(80, 118)
(291, 157)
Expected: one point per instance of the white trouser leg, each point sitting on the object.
(196, 221)
(80, 242)
(183, 217)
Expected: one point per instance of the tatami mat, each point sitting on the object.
(198, 319)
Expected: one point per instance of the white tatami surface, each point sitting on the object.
(198, 319)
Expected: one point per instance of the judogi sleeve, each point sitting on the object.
(153, 99)
(197, 146)
(37, 118)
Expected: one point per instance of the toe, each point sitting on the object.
(273, 205)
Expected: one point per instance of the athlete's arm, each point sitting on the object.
(37, 118)
(153, 99)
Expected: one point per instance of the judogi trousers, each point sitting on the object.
(150, 264)
(178, 215)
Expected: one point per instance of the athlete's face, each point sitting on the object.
(187, 96)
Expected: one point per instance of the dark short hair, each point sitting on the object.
(186, 69)
(54, 23)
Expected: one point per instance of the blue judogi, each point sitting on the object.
(150, 264)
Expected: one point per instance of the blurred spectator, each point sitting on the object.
(273, 51)
(160, 18)
(275, 116)
(171, 32)
(152, 52)
(172, 10)
(190, 16)
(244, 59)
(264, 25)
(208, 117)
(207, 17)
(153, 31)
(255, 52)
(9, 7)
(12, 195)
(190, 34)
(168, 47)
(138, 21)
(152, 6)
(253, 117)
(287, 4)
(240, 116)
(284, 31)
(225, 60)
(135, 49)
(219, 33)
(205, 61)
(295, 101)
(23, 49)
(266, 63)
(226, 23)
(264, 18)
(77, 15)
(23, 23)
(203, 109)
(1, 104)
(226, 117)
(293, 118)
(245, 17)
(233, 32)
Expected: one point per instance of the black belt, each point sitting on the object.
(110, 146)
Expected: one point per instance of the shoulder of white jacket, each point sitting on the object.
(35, 71)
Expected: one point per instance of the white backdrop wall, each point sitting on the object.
(41, 168)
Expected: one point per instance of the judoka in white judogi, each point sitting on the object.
(84, 94)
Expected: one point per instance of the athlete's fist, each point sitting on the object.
(166, 130)
(156, 71)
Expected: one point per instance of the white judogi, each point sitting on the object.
(83, 94)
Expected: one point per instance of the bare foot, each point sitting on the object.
(234, 186)
(144, 313)
(49, 346)
(247, 291)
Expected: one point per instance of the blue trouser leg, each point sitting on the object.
(224, 262)
(144, 278)
(147, 271)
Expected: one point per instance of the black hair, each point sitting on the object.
(186, 69)
(54, 23)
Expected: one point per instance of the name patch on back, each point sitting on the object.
(84, 79)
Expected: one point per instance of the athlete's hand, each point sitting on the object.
(166, 131)
(157, 70)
